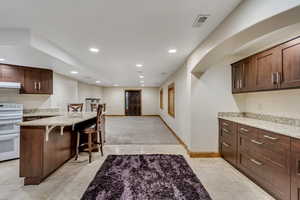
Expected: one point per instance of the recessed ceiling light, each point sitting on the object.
(172, 50)
(141, 76)
(74, 72)
(2, 59)
(116, 85)
(139, 65)
(142, 81)
(98, 81)
(94, 50)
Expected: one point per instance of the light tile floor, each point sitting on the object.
(222, 181)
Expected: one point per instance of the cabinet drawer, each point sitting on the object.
(270, 177)
(251, 165)
(279, 157)
(228, 152)
(274, 140)
(247, 131)
(228, 125)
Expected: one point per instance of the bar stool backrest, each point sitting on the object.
(75, 107)
(99, 116)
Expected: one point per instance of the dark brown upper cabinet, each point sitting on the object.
(33, 80)
(10, 73)
(38, 81)
(237, 76)
(289, 76)
(243, 76)
(273, 69)
(266, 66)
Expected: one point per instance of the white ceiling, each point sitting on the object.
(126, 32)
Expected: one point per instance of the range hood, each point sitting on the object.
(10, 85)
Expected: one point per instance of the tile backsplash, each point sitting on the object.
(270, 118)
(38, 110)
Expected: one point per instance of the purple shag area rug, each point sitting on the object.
(145, 177)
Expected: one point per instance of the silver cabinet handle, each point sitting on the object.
(256, 162)
(225, 144)
(269, 137)
(238, 84)
(225, 124)
(257, 142)
(241, 83)
(34, 85)
(225, 130)
(278, 78)
(39, 85)
(243, 129)
(273, 78)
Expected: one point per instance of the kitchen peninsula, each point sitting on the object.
(47, 143)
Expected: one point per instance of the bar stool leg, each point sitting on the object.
(100, 142)
(104, 129)
(77, 145)
(90, 147)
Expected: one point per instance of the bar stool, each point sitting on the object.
(103, 124)
(75, 107)
(90, 132)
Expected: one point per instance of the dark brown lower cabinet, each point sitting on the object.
(39, 158)
(264, 157)
(228, 142)
(295, 169)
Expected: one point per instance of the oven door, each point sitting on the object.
(9, 146)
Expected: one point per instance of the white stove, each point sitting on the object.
(10, 115)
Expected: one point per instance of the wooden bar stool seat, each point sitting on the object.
(93, 133)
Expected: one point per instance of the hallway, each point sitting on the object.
(138, 130)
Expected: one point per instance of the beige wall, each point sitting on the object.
(115, 100)
(65, 90)
(89, 91)
(179, 123)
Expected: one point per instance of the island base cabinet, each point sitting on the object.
(38, 157)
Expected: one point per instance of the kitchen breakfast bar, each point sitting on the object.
(46, 144)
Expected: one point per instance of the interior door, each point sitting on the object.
(133, 102)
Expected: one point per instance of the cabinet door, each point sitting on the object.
(237, 76)
(31, 80)
(45, 84)
(243, 76)
(267, 65)
(295, 170)
(290, 55)
(248, 84)
(11, 74)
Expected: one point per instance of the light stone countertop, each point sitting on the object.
(292, 131)
(63, 120)
(43, 114)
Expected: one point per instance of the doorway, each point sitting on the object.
(133, 102)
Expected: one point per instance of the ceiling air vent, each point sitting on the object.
(200, 19)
